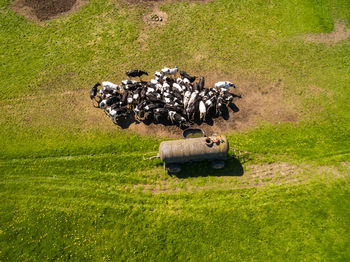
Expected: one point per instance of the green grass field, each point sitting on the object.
(75, 187)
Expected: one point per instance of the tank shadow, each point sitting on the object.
(233, 167)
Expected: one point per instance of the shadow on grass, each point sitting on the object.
(233, 167)
(126, 121)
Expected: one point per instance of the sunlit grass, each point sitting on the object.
(76, 189)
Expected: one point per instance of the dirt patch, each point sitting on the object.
(42, 10)
(339, 33)
(156, 17)
(259, 103)
(157, 2)
(152, 19)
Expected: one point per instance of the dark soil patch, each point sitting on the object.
(42, 10)
(153, 2)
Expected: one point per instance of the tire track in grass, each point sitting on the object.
(334, 154)
(74, 156)
(153, 179)
(257, 176)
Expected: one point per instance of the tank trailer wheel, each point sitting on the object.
(173, 168)
(218, 164)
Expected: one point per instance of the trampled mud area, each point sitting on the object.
(41, 10)
(259, 103)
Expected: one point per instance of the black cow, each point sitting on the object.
(93, 91)
(185, 75)
(136, 73)
(201, 83)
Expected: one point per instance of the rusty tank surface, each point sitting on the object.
(212, 148)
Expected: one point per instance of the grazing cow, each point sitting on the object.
(128, 82)
(136, 73)
(170, 71)
(186, 81)
(136, 94)
(167, 100)
(110, 86)
(151, 107)
(178, 87)
(132, 87)
(125, 97)
(178, 95)
(187, 76)
(191, 110)
(112, 100)
(186, 98)
(160, 114)
(168, 94)
(154, 81)
(143, 92)
(195, 87)
(122, 112)
(210, 102)
(219, 105)
(201, 83)
(193, 98)
(103, 104)
(116, 105)
(93, 91)
(166, 86)
(202, 111)
(112, 112)
(169, 80)
(178, 109)
(204, 92)
(228, 97)
(130, 99)
(150, 90)
(175, 118)
(224, 84)
(158, 74)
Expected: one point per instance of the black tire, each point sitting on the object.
(218, 164)
(174, 168)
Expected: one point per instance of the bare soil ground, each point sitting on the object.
(258, 103)
(339, 33)
(41, 10)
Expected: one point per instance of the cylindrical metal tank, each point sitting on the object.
(194, 149)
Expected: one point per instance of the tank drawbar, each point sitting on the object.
(150, 158)
(239, 153)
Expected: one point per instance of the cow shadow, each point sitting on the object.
(233, 167)
(125, 122)
(233, 107)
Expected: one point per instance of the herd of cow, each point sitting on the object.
(164, 99)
